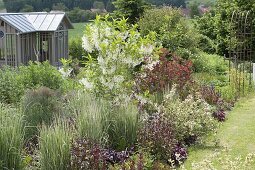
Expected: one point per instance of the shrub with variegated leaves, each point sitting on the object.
(191, 118)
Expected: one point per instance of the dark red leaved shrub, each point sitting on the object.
(88, 155)
(179, 155)
(213, 97)
(220, 115)
(210, 95)
(157, 136)
(168, 71)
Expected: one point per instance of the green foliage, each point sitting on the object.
(11, 86)
(39, 106)
(41, 74)
(39, 5)
(238, 86)
(206, 25)
(212, 64)
(206, 44)
(11, 137)
(218, 80)
(177, 3)
(110, 6)
(55, 146)
(27, 8)
(98, 5)
(14, 81)
(193, 6)
(59, 7)
(80, 15)
(131, 9)
(2, 6)
(174, 31)
(216, 24)
(75, 49)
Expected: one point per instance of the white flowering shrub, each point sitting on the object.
(114, 50)
(191, 118)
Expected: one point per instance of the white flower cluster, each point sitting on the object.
(147, 50)
(96, 37)
(65, 72)
(86, 83)
(86, 44)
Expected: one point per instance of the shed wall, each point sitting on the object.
(18, 48)
(8, 44)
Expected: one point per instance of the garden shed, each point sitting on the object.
(37, 36)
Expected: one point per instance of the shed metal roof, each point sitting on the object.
(37, 21)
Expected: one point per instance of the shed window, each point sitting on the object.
(1, 34)
(45, 46)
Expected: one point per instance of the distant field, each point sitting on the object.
(77, 31)
(2, 5)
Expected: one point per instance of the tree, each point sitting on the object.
(59, 7)
(14, 5)
(98, 5)
(131, 9)
(216, 24)
(171, 28)
(27, 8)
(110, 6)
(193, 6)
(177, 3)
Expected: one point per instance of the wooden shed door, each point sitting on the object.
(45, 44)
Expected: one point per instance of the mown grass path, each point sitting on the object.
(237, 134)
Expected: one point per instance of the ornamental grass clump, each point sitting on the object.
(55, 146)
(11, 137)
(40, 106)
(90, 116)
(123, 126)
(106, 124)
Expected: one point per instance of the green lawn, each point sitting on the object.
(78, 30)
(2, 5)
(236, 135)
